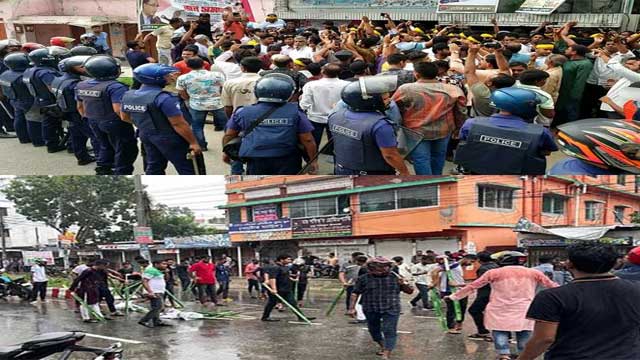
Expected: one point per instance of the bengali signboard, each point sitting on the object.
(328, 226)
(198, 241)
(540, 7)
(30, 257)
(265, 213)
(143, 235)
(153, 14)
(259, 226)
(467, 6)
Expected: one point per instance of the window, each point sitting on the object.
(553, 204)
(318, 207)
(621, 179)
(618, 211)
(249, 213)
(592, 210)
(423, 196)
(234, 216)
(495, 197)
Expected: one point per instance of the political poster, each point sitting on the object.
(153, 14)
(540, 7)
(467, 6)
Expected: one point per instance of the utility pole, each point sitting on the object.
(141, 213)
(3, 213)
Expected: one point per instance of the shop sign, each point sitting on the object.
(271, 225)
(542, 242)
(327, 226)
(265, 213)
(143, 235)
(30, 257)
(539, 7)
(467, 6)
(88, 253)
(119, 247)
(333, 242)
(198, 241)
(168, 251)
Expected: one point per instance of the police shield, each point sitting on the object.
(375, 85)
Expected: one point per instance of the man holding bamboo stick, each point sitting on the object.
(87, 288)
(278, 281)
(153, 280)
(448, 279)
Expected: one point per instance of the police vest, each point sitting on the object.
(491, 150)
(13, 87)
(146, 115)
(63, 89)
(354, 142)
(96, 100)
(37, 88)
(276, 136)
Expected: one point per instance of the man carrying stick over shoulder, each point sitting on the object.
(380, 290)
(278, 281)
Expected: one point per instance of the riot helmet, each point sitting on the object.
(366, 94)
(17, 61)
(30, 46)
(83, 50)
(507, 258)
(69, 65)
(153, 74)
(519, 102)
(49, 56)
(61, 41)
(275, 88)
(102, 67)
(8, 46)
(606, 143)
(88, 38)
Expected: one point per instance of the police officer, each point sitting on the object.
(163, 130)
(14, 89)
(99, 100)
(64, 88)
(364, 138)
(89, 40)
(6, 112)
(506, 143)
(271, 148)
(38, 80)
(81, 50)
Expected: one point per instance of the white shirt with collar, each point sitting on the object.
(320, 97)
(304, 52)
(231, 70)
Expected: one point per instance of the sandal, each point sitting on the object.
(504, 357)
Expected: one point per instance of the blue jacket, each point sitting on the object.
(629, 272)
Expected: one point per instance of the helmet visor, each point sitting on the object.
(375, 85)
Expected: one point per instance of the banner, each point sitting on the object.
(265, 212)
(540, 7)
(282, 224)
(198, 241)
(467, 6)
(329, 226)
(29, 257)
(143, 235)
(153, 14)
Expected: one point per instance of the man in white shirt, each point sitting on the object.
(39, 281)
(629, 72)
(228, 61)
(320, 97)
(300, 49)
(155, 285)
(424, 281)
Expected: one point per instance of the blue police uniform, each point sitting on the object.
(504, 144)
(38, 79)
(150, 108)
(7, 110)
(358, 137)
(272, 147)
(118, 146)
(21, 101)
(573, 166)
(64, 88)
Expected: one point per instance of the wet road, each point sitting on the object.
(334, 338)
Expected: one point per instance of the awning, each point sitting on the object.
(82, 21)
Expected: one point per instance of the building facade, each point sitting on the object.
(395, 216)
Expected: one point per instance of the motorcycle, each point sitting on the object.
(324, 270)
(42, 346)
(14, 287)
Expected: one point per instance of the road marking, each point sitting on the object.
(399, 331)
(303, 323)
(114, 338)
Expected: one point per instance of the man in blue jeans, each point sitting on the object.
(380, 291)
(202, 89)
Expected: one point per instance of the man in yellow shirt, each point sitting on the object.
(163, 36)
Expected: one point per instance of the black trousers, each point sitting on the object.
(302, 288)
(451, 312)
(154, 311)
(169, 289)
(223, 288)
(423, 294)
(349, 292)
(207, 291)
(39, 288)
(476, 310)
(253, 284)
(273, 300)
(105, 294)
(184, 282)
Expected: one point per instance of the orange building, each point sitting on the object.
(392, 215)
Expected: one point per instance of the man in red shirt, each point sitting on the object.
(189, 51)
(204, 274)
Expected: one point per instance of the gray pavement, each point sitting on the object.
(24, 159)
(334, 338)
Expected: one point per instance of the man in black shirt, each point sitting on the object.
(476, 310)
(596, 316)
(279, 281)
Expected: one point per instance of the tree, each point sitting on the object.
(174, 221)
(103, 207)
(635, 217)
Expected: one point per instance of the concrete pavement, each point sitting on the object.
(335, 338)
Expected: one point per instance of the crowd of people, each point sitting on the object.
(557, 307)
(391, 97)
